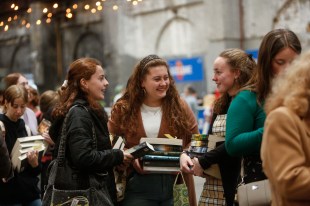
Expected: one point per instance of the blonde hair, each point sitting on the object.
(292, 88)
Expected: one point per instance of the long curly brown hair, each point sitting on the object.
(72, 90)
(128, 106)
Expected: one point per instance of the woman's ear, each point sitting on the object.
(237, 73)
(84, 84)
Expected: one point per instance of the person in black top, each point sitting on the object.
(79, 100)
(21, 189)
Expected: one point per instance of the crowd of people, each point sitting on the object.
(264, 119)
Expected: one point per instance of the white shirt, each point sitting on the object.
(151, 118)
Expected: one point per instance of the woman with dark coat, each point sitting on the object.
(81, 93)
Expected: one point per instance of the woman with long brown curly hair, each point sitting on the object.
(151, 107)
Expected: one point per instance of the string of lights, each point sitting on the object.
(19, 16)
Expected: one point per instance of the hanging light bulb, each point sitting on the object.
(16, 8)
(99, 8)
(74, 6)
(55, 6)
(48, 20)
(86, 7)
(49, 15)
(1, 23)
(12, 6)
(9, 19)
(6, 27)
(115, 7)
(45, 10)
(38, 22)
(134, 3)
(98, 3)
(29, 10)
(15, 17)
(68, 10)
(28, 25)
(69, 15)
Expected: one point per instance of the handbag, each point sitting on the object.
(73, 187)
(180, 192)
(255, 193)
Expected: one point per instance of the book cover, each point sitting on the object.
(161, 163)
(118, 142)
(164, 153)
(44, 126)
(167, 148)
(213, 171)
(161, 170)
(162, 141)
(140, 149)
(161, 158)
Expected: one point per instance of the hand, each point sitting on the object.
(186, 164)
(33, 158)
(48, 139)
(137, 166)
(128, 158)
(198, 170)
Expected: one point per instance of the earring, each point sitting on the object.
(144, 91)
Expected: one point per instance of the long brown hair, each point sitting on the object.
(72, 89)
(128, 106)
(272, 43)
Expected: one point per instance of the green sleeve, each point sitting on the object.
(244, 126)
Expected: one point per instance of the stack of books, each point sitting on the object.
(22, 146)
(200, 144)
(165, 158)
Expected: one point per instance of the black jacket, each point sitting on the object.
(22, 188)
(5, 161)
(79, 150)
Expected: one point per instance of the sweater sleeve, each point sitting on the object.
(244, 126)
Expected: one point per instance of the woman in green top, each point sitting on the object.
(245, 116)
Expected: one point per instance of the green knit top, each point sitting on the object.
(244, 125)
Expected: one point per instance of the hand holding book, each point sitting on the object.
(33, 159)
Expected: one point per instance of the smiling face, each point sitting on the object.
(224, 76)
(96, 85)
(15, 109)
(156, 84)
(282, 60)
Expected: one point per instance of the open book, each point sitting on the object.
(22, 146)
(140, 150)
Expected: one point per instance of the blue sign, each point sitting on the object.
(254, 53)
(187, 69)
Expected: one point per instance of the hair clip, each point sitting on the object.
(65, 84)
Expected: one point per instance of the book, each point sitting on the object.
(162, 141)
(213, 171)
(160, 158)
(164, 153)
(118, 142)
(21, 162)
(161, 163)
(140, 149)
(161, 170)
(44, 126)
(22, 146)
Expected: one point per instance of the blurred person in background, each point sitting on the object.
(47, 102)
(190, 96)
(29, 116)
(22, 189)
